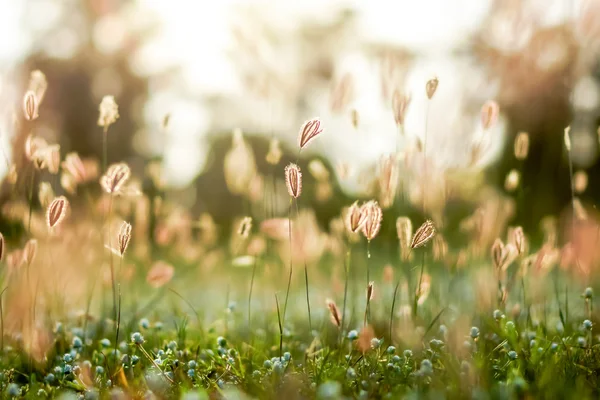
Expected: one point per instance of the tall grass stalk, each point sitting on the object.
(346, 274)
(368, 280)
(418, 291)
(287, 292)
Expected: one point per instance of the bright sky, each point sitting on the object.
(195, 36)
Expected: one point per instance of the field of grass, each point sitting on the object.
(109, 293)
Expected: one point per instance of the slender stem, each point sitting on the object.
(2, 319)
(110, 255)
(105, 148)
(251, 286)
(31, 182)
(305, 273)
(418, 291)
(280, 328)
(392, 312)
(425, 156)
(368, 280)
(145, 353)
(346, 273)
(287, 293)
(118, 312)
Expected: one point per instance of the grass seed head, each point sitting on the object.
(334, 313)
(580, 181)
(116, 176)
(567, 138)
(109, 112)
(245, 227)
(274, 155)
(372, 224)
(57, 210)
(431, 87)
(38, 84)
(30, 105)
(30, 251)
(124, 237)
(423, 235)
(489, 114)
(293, 180)
(400, 103)
(310, 130)
(356, 216)
(522, 146)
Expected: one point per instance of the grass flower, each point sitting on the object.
(309, 131)
(293, 180)
(30, 106)
(57, 211)
(423, 235)
(116, 176)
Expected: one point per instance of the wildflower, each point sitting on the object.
(109, 112)
(29, 251)
(293, 180)
(400, 103)
(115, 177)
(391, 350)
(587, 324)
(310, 130)
(423, 235)
(124, 237)
(588, 293)
(350, 373)
(489, 114)
(372, 223)
(353, 335)
(160, 274)
(474, 332)
(57, 210)
(334, 313)
(431, 87)
(274, 154)
(137, 338)
(521, 146)
(30, 106)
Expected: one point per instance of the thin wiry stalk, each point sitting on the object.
(346, 273)
(105, 148)
(31, 182)
(572, 184)
(2, 320)
(287, 293)
(145, 353)
(305, 275)
(280, 328)
(251, 287)
(118, 311)
(392, 312)
(368, 280)
(425, 154)
(418, 291)
(110, 255)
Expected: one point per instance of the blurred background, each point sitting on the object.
(187, 74)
